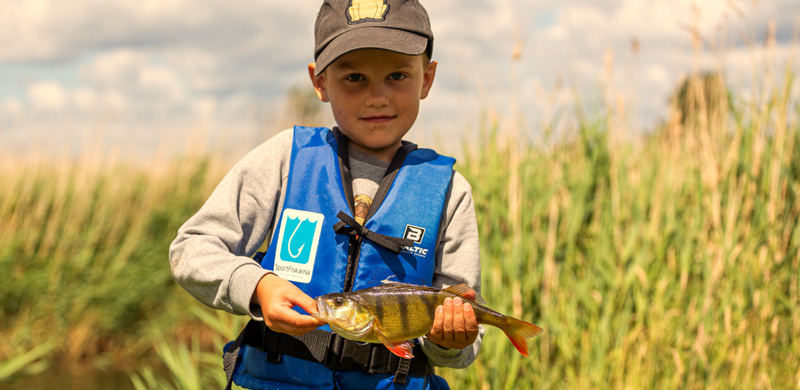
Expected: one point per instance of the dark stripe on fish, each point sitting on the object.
(379, 311)
(403, 308)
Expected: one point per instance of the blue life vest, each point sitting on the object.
(306, 249)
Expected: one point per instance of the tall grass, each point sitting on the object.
(669, 262)
(83, 254)
(670, 265)
(195, 367)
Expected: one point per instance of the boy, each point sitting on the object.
(343, 209)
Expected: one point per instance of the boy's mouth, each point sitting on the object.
(377, 118)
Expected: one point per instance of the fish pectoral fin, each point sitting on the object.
(401, 348)
(464, 291)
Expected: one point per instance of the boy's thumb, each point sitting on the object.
(307, 303)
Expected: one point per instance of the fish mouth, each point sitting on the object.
(323, 311)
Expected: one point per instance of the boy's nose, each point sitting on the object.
(377, 96)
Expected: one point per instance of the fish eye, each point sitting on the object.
(338, 301)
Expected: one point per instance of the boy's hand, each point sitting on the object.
(454, 325)
(277, 297)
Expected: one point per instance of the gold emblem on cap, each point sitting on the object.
(363, 10)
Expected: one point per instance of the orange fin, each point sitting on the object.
(463, 291)
(400, 348)
(519, 332)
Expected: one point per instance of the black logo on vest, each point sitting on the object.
(416, 234)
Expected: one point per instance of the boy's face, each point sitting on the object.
(375, 95)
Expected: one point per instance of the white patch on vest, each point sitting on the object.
(297, 244)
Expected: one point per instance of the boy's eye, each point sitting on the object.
(396, 76)
(355, 77)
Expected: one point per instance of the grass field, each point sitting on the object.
(669, 261)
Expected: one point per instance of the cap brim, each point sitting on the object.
(399, 41)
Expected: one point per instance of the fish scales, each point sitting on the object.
(399, 309)
(401, 314)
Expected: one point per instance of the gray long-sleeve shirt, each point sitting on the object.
(211, 256)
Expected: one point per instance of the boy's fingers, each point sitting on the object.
(438, 323)
(306, 302)
(277, 301)
(470, 321)
(291, 322)
(459, 328)
(302, 320)
(447, 327)
(299, 298)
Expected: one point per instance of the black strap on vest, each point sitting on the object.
(328, 349)
(348, 225)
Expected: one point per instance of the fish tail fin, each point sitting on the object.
(519, 332)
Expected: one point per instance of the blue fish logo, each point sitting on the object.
(296, 245)
(298, 241)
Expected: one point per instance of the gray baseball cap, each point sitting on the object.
(346, 25)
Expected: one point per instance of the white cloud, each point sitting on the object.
(47, 30)
(205, 106)
(47, 96)
(161, 83)
(114, 67)
(84, 99)
(134, 81)
(11, 107)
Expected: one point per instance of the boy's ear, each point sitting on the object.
(318, 82)
(427, 79)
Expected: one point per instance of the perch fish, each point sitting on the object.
(393, 314)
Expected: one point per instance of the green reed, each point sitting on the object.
(672, 264)
(83, 248)
(192, 367)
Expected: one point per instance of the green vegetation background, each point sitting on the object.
(669, 261)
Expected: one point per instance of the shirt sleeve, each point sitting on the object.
(210, 257)
(457, 261)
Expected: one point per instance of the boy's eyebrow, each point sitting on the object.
(342, 65)
(406, 64)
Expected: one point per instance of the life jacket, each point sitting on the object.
(321, 248)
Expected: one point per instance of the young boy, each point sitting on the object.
(343, 209)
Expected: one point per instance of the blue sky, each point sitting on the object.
(157, 73)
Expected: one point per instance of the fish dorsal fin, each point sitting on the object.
(464, 291)
(397, 286)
